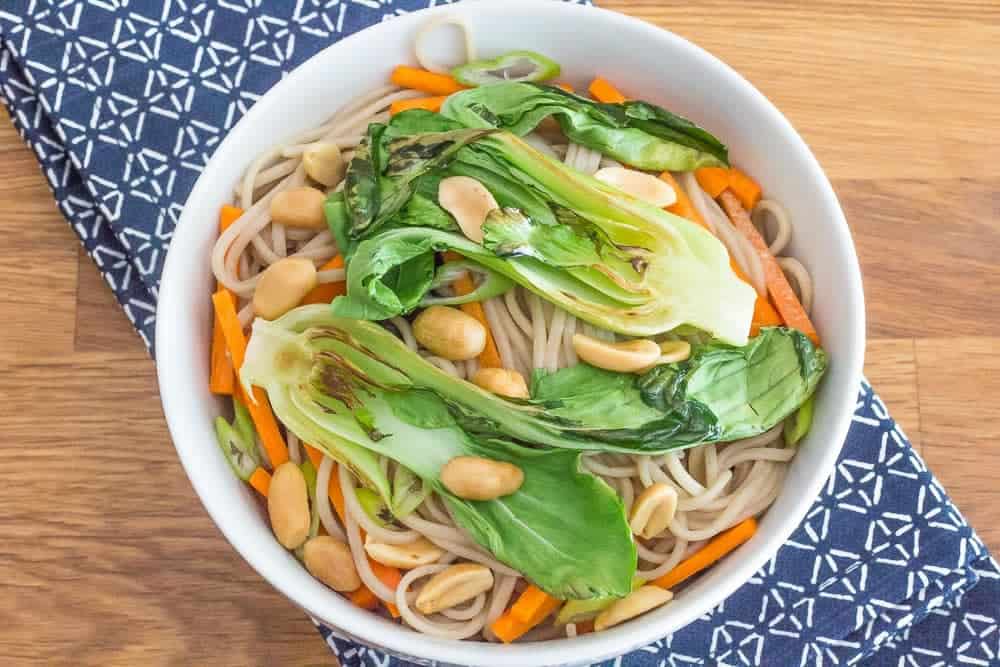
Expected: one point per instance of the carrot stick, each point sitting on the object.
(364, 598)
(221, 376)
(428, 103)
(683, 206)
(327, 292)
(420, 79)
(602, 91)
(533, 602)
(565, 86)
(489, 357)
(717, 547)
(315, 456)
(781, 292)
(260, 409)
(712, 180)
(260, 480)
(531, 608)
(745, 188)
(228, 215)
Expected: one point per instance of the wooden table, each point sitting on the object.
(107, 556)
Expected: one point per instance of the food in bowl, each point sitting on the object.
(521, 362)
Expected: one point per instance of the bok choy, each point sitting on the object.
(636, 133)
(602, 255)
(353, 390)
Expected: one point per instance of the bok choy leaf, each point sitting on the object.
(352, 389)
(636, 133)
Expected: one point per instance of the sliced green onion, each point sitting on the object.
(798, 424)
(512, 66)
(240, 453)
(242, 422)
(408, 492)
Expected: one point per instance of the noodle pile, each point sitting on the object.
(718, 485)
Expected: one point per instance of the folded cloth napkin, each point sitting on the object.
(123, 103)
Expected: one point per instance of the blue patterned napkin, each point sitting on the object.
(124, 102)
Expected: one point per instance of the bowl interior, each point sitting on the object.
(643, 61)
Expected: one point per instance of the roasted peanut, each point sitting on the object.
(640, 185)
(635, 603)
(453, 586)
(299, 207)
(502, 382)
(627, 357)
(288, 505)
(450, 333)
(469, 202)
(282, 286)
(653, 511)
(404, 556)
(324, 164)
(330, 560)
(474, 478)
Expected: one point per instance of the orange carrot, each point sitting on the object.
(427, 103)
(745, 188)
(260, 409)
(602, 91)
(489, 357)
(222, 376)
(712, 180)
(405, 76)
(364, 598)
(390, 576)
(717, 547)
(327, 292)
(533, 602)
(228, 215)
(565, 86)
(764, 315)
(781, 292)
(531, 608)
(315, 456)
(260, 480)
(683, 206)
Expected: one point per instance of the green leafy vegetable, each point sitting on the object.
(605, 257)
(799, 424)
(636, 133)
(349, 386)
(237, 443)
(749, 389)
(511, 66)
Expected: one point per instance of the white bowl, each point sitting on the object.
(643, 61)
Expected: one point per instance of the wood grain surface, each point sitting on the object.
(107, 556)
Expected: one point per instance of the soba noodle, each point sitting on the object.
(718, 485)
